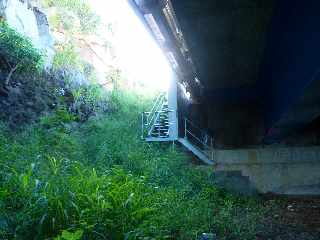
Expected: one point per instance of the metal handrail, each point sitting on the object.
(157, 102)
(204, 144)
(152, 115)
(153, 122)
(156, 107)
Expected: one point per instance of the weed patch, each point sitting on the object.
(98, 180)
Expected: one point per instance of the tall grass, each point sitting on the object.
(98, 180)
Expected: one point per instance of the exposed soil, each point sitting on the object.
(293, 218)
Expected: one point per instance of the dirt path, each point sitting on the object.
(291, 219)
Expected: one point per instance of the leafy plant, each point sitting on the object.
(100, 181)
(66, 235)
(17, 52)
(66, 56)
(61, 117)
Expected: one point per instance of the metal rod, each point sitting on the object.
(142, 126)
(185, 128)
(206, 141)
(211, 143)
(198, 139)
(156, 102)
(193, 125)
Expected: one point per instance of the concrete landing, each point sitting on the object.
(287, 171)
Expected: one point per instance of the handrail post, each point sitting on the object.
(142, 126)
(185, 128)
(211, 143)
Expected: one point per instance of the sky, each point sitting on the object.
(138, 55)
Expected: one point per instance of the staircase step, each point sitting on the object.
(160, 131)
(162, 125)
(157, 139)
(163, 131)
(159, 136)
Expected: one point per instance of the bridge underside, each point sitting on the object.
(251, 66)
(253, 71)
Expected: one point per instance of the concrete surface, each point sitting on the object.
(288, 171)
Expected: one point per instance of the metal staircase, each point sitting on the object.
(159, 125)
(198, 141)
(156, 124)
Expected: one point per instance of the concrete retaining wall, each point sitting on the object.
(289, 171)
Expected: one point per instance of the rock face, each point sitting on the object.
(31, 22)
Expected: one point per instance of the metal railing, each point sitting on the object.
(158, 128)
(148, 119)
(200, 138)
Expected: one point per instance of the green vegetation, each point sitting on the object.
(33, 92)
(17, 52)
(64, 180)
(81, 28)
(82, 172)
(89, 20)
(66, 56)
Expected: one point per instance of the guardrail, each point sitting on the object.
(200, 138)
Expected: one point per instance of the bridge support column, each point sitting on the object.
(173, 105)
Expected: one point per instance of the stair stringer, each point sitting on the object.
(197, 152)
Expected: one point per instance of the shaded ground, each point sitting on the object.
(286, 218)
(294, 218)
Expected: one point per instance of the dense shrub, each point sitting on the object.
(27, 91)
(17, 54)
(98, 180)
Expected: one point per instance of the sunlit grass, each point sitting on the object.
(98, 180)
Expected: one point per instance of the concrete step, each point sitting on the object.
(235, 181)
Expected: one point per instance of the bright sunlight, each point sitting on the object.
(138, 55)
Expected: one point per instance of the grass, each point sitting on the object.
(63, 180)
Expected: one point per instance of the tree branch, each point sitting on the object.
(4, 60)
(11, 73)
